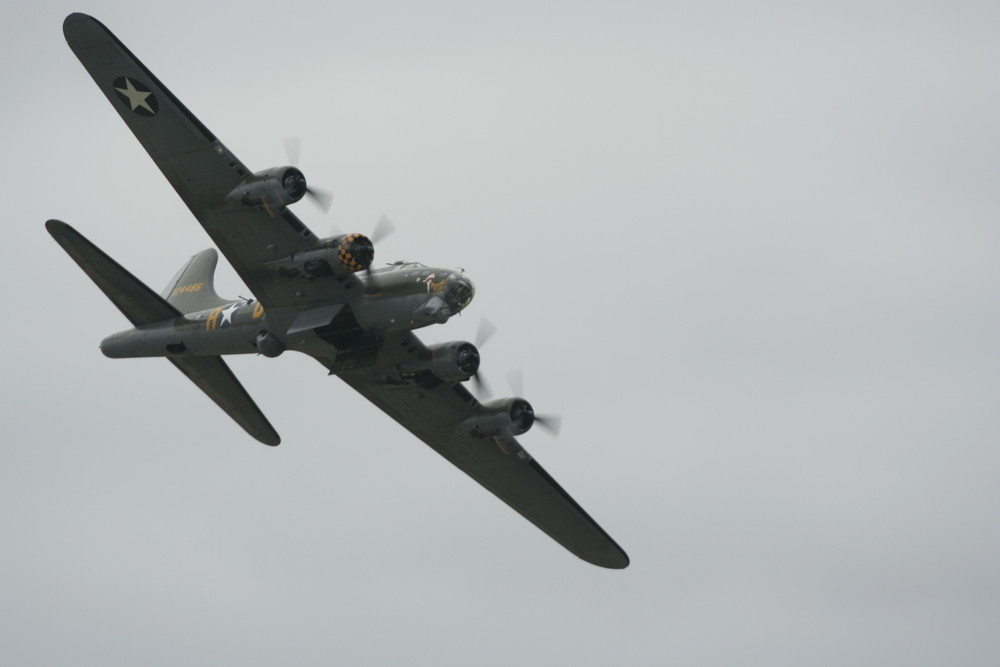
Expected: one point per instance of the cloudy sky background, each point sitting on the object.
(748, 254)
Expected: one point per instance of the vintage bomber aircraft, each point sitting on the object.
(316, 296)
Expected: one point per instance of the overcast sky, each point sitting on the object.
(748, 254)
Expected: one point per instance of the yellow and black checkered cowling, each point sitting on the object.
(355, 252)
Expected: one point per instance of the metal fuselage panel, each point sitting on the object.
(230, 329)
(411, 296)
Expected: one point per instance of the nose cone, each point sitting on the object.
(459, 291)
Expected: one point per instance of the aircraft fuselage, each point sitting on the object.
(405, 296)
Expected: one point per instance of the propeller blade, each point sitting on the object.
(383, 228)
(321, 198)
(371, 285)
(482, 389)
(550, 423)
(293, 149)
(516, 381)
(485, 332)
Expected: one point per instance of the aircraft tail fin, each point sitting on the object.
(137, 302)
(193, 288)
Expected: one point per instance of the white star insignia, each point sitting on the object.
(135, 97)
(227, 314)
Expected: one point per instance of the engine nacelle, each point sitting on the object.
(506, 416)
(451, 362)
(340, 255)
(274, 189)
(457, 361)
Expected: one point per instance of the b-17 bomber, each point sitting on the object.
(317, 296)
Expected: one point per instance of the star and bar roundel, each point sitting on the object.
(135, 95)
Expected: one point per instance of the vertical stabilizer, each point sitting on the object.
(193, 288)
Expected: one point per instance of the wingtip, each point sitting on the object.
(78, 28)
(54, 226)
(75, 17)
(618, 560)
(261, 431)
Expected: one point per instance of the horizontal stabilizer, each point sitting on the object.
(213, 377)
(138, 303)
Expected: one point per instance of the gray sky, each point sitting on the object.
(749, 255)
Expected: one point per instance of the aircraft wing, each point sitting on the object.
(201, 169)
(499, 464)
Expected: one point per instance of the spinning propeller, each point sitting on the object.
(551, 423)
(483, 334)
(515, 379)
(383, 228)
(321, 198)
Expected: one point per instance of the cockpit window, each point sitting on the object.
(458, 291)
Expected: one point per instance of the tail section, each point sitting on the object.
(193, 288)
(143, 306)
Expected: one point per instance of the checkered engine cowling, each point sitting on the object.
(355, 252)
